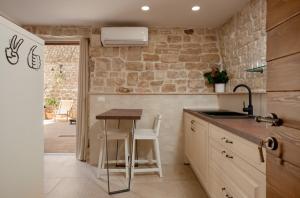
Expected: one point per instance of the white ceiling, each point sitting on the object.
(169, 13)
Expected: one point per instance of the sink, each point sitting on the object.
(224, 114)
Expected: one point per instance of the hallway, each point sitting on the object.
(59, 137)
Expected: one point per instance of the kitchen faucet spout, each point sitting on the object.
(249, 109)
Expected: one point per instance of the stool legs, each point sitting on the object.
(133, 158)
(157, 156)
(102, 160)
(126, 157)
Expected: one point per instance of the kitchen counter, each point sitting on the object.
(245, 128)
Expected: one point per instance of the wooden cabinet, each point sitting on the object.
(243, 179)
(239, 164)
(226, 164)
(284, 70)
(283, 164)
(284, 40)
(283, 97)
(243, 148)
(196, 146)
(280, 11)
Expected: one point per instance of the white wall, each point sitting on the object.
(21, 124)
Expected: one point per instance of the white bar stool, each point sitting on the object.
(113, 134)
(148, 134)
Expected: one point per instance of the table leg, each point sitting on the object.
(106, 150)
(129, 157)
(131, 151)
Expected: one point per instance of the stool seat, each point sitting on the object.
(145, 134)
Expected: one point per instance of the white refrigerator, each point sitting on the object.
(21, 112)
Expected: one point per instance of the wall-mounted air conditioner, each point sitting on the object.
(124, 36)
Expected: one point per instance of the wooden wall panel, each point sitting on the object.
(283, 97)
(284, 74)
(284, 40)
(286, 105)
(283, 177)
(281, 10)
(289, 144)
(273, 193)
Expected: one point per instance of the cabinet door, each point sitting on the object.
(196, 146)
(188, 135)
(244, 177)
(201, 152)
(283, 164)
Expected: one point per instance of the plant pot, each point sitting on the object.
(49, 113)
(220, 87)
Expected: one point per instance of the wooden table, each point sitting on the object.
(120, 114)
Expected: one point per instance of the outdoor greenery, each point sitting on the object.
(51, 102)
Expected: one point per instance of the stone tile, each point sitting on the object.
(134, 66)
(151, 57)
(178, 181)
(169, 88)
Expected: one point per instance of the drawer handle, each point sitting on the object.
(229, 156)
(193, 121)
(226, 140)
(226, 195)
(226, 155)
(193, 129)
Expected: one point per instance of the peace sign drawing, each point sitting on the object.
(11, 52)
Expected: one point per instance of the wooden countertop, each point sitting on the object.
(243, 127)
(121, 114)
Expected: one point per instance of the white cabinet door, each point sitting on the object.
(21, 104)
(240, 177)
(188, 135)
(200, 151)
(196, 146)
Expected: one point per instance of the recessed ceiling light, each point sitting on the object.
(145, 8)
(196, 8)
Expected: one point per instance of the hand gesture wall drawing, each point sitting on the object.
(33, 60)
(11, 52)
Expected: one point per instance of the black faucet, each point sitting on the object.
(249, 109)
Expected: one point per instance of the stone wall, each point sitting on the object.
(61, 82)
(176, 58)
(243, 44)
(173, 62)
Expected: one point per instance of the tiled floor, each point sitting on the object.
(59, 137)
(67, 178)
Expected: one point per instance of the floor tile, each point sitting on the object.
(65, 177)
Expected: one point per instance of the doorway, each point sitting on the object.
(60, 96)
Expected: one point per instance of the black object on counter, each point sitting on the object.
(272, 119)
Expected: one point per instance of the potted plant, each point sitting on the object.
(50, 106)
(218, 78)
